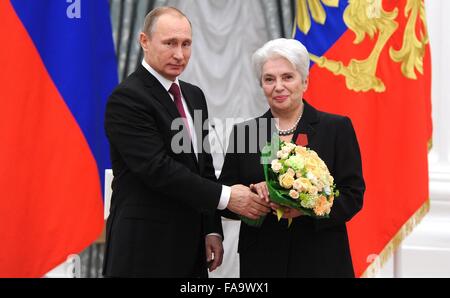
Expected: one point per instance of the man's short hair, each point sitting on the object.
(152, 17)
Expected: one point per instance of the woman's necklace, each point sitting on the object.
(289, 131)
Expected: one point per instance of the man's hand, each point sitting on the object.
(287, 212)
(214, 251)
(261, 189)
(244, 202)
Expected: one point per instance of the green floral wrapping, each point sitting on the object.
(281, 195)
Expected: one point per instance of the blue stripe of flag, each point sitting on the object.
(80, 58)
(321, 38)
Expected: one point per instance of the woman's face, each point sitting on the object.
(282, 85)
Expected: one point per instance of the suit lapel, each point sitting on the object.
(305, 126)
(158, 91)
(162, 96)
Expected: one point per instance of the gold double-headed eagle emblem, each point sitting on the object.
(367, 17)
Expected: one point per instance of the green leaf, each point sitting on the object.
(279, 214)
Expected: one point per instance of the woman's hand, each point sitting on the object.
(261, 189)
(287, 211)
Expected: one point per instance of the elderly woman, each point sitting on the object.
(309, 247)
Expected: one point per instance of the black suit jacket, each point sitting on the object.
(310, 247)
(163, 203)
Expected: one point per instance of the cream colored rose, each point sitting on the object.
(330, 179)
(290, 172)
(317, 173)
(305, 184)
(286, 149)
(294, 194)
(319, 184)
(286, 181)
(322, 165)
(313, 154)
(284, 156)
(297, 185)
(311, 164)
(313, 190)
(300, 150)
(279, 154)
(276, 166)
(291, 146)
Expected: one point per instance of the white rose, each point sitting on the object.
(276, 166)
(286, 149)
(279, 154)
(311, 177)
(291, 146)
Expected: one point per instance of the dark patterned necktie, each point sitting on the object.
(175, 91)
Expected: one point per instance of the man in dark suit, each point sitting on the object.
(163, 220)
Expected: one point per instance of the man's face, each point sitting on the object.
(168, 49)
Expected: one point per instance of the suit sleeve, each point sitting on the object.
(212, 222)
(230, 170)
(132, 130)
(347, 175)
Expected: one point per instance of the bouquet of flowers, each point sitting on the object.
(296, 177)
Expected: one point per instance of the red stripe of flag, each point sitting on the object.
(393, 129)
(50, 192)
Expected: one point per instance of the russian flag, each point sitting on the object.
(57, 68)
(372, 63)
